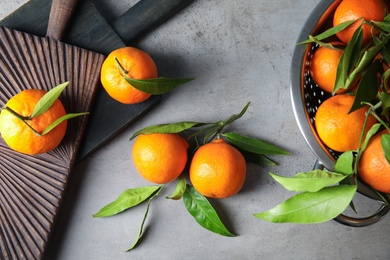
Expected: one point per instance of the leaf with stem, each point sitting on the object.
(62, 119)
(348, 61)
(179, 190)
(127, 199)
(345, 163)
(368, 86)
(385, 103)
(203, 212)
(253, 145)
(154, 86)
(48, 99)
(157, 86)
(385, 142)
(330, 32)
(312, 181)
(168, 128)
(160, 188)
(311, 207)
(257, 158)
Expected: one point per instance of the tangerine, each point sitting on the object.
(373, 167)
(339, 129)
(348, 10)
(323, 68)
(218, 170)
(160, 158)
(19, 136)
(130, 62)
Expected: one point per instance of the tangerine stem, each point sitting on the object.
(124, 71)
(16, 114)
(23, 119)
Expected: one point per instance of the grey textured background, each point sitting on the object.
(238, 51)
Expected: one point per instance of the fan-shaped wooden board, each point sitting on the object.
(32, 187)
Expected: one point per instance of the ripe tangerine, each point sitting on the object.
(20, 137)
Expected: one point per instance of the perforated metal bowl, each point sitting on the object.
(307, 96)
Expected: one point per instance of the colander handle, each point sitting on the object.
(358, 222)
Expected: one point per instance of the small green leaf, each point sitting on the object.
(203, 212)
(167, 128)
(157, 86)
(385, 141)
(126, 200)
(62, 119)
(179, 190)
(48, 99)
(344, 163)
(311, 207)
(371, 132)
(309, 181)
(385, 99)
(253, 145)
(330, 32)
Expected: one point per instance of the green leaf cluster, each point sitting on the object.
(367, 65)
(253, 149)
(43, 105)
(195, 203)
(321, 194)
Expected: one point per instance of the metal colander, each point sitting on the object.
(307, 96)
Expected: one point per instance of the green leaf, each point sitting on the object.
(371, 132)
(309, 181)
(385, 99)
(168, 128)
(348, 61)
(253, 145)
(160, 188)
(345, 163)
(203, 212)
(385, 25)
(48, 99)
(386, 77)
(385, 141)
(157, 86)
(257, 158)
(330, 32)
(179, 190)
(368, 86)
(311, 207)
(127, 199)
(62, 119)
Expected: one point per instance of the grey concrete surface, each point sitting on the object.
(238, 51)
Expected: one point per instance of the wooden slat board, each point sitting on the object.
(32, 187)
(89, 30)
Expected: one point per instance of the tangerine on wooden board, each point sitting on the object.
(137, 65)
(368, 10)
(21, 138)
(160, 158)
(218, 170)
(339, 129)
